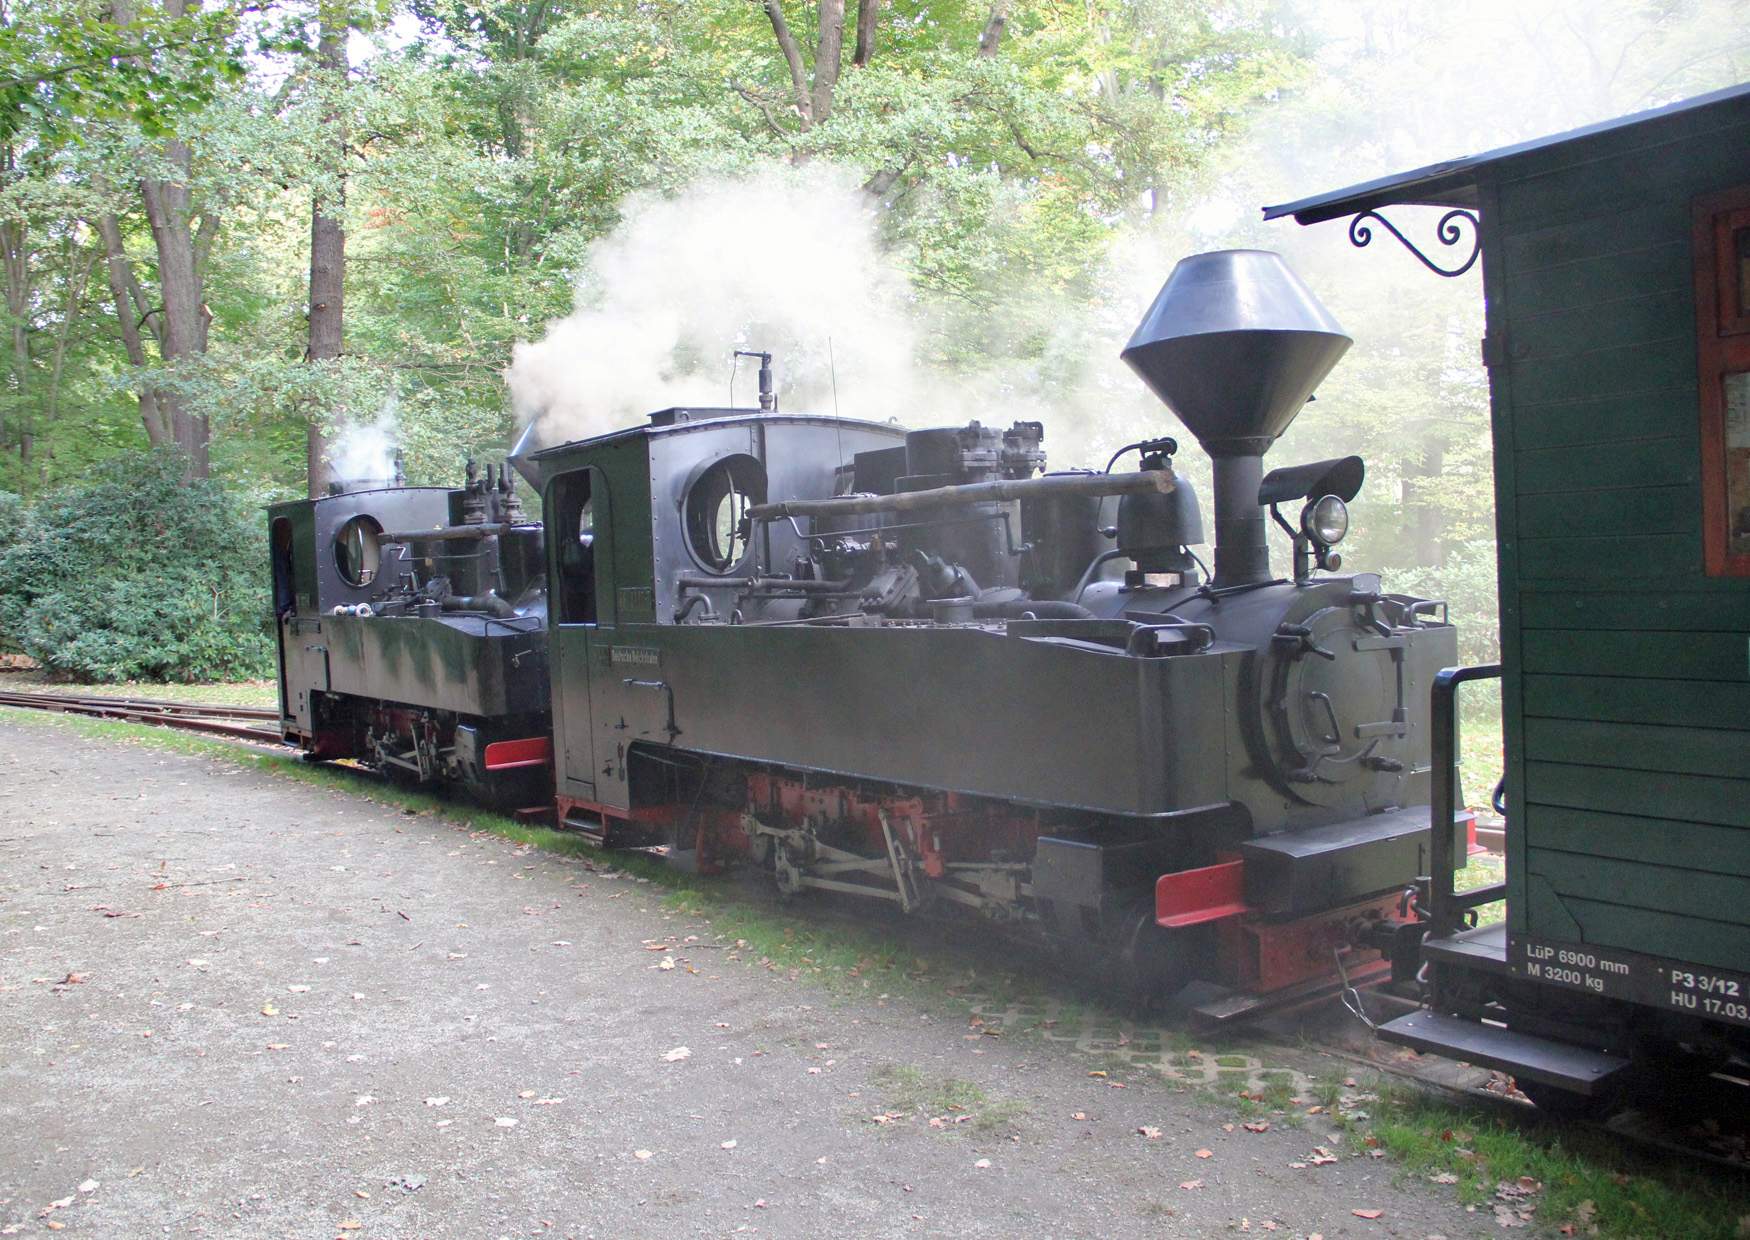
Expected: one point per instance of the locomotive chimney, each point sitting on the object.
(1234, 344)
(528, 442)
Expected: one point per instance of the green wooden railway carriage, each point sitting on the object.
(1616, 270)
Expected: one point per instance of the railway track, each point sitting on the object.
(259, 724)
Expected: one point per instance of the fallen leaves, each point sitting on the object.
(676, 1055)
(1514, 1205)
(1585, 1221)
(1369, 1214)
(1149, 1131)
(1206, 1153)
(642, 1155)
(1191, 1185)
(1259, 1125)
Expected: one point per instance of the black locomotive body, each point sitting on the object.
(901, 665)
(412, 635)
(908, 666)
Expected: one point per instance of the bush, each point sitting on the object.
(131, 575)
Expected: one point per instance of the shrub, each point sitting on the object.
(132, 575)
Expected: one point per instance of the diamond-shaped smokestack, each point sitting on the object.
(1234, 344)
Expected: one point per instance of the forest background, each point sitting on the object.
(250, 247)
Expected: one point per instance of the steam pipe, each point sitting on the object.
(446, 533)
(764, 583)
(1094, 565)
(768, 398)
(1148, 481)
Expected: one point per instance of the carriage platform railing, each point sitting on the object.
(1446, 907)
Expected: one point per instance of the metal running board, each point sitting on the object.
(1572, 1068)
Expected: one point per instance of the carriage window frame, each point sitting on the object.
(1722, 302)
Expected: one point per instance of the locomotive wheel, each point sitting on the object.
(1152, 963)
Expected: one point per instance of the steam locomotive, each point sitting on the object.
(911, 666)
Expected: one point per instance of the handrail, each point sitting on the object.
(1445, 906)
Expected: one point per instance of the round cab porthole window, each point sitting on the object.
(358, 551)
(715, 511)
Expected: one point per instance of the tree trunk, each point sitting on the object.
(183, 331)
(868, 11)
(125, 291)
(992, 38)
(182, 325)
(78, 277)
(327, 255)
(793, 59)
(829, 51)
(13, 249)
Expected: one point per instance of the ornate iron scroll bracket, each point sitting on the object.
(1449, 232)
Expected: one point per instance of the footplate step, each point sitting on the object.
(1572, 1068)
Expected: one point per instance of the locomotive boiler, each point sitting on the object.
(910, 666)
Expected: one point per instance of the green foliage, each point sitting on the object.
(63, 63)
(132, 575)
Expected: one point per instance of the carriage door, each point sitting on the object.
(581, 571)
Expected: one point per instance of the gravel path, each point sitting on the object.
(238, 1005)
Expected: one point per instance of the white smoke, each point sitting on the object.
(365, 451)
(784, 261)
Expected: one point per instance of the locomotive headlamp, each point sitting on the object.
(1325, 520)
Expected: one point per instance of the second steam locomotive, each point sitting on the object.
(911, 666)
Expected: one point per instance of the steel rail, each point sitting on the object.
(214, 720)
